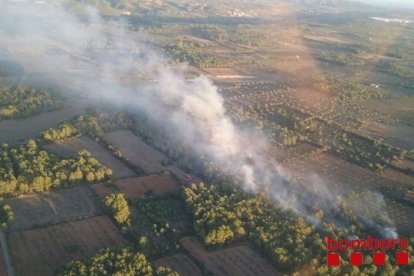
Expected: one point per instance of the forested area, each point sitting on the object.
(26, 169)
(93, 124)
(154, 225)
(115, 262)
(289, 241)
(22, 102)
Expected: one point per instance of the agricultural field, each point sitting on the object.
(15, 132)
(71, 146)
(336, 174)
(398, 176)
(236, 260)
(384, 210)
(138, 187)
(398, 134)
(51, 208)
(137, 152)
(103, 190)
(3, 271)
(405, 164)
(43, 250)
(180, 263)
(141, 187)
(288, 154)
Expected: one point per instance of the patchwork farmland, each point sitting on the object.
(43, 250)
(205, 137)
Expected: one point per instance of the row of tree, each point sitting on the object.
(6, 215)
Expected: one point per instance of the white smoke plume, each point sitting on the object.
(97, 54)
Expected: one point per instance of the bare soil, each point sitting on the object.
(236, 260)
(54, 207)
(180, 263)
(42, 251)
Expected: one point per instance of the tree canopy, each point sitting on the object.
(115, 262)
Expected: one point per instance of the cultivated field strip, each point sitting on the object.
(135, 188)
(337, 174)
(41, 251)
(180, 263)
(72, 146)
(136, 151)
(54, 207)
(236, 260)
(15, 132)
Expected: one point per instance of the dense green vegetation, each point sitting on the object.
(63, 131)
(242, 34)
(115, 262)
(26, 169)
(402, 68)
(290, 242)
(93, 124)
(23, 102)
(351, 90)
(342, 58)
(119, 209)
(158, 224)
(221, 219)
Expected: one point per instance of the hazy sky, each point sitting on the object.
(391, 3)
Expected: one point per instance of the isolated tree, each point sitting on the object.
(118, 206)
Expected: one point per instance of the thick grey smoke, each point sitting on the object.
(98, 54)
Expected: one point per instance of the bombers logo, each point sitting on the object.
(369, 244)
